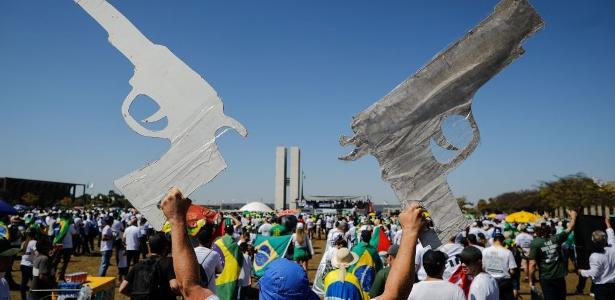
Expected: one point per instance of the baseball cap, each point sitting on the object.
(434, 257)
(284, 280)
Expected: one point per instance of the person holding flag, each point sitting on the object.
(227, 283)
(368, 263)
(63, 242)
(379, 240)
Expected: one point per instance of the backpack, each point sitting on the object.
(146, 279)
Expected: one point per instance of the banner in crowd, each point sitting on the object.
(232, 261)
(324, 267)
(268, 248)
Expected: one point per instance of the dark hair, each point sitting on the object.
(157, 243)
(366, 235)
(243, 247)
(204, 236)
(499, 237)
(341, 242)
(434, 262)
(472, 238)
(470, 255)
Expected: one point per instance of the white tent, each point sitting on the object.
(256, 206)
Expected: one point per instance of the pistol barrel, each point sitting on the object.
(123, 35)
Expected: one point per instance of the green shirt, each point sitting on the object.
(546, 252)
(278, 230)
(379, 282)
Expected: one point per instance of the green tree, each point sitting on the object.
(30, 199)
(575, 191)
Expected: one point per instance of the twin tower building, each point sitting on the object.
(288, 192)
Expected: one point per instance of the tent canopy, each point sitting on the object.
(522, 217)
(256, 206)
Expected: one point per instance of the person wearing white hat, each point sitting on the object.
(339, 283)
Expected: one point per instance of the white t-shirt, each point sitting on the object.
(397, 237)
(333, 235)
(108, 244)
(478, 247)
(497, 261)
(264, 229)
(602, 265)
(451, 249)
(50, 221)
(67, 242)
(309, 223)
(210, 260)
(117, 228)
(28, 257)
(436, 289)
(131, 236)
(421, 274)
(484, 287)
(524, 240)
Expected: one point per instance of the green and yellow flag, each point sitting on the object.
(268, 248)
(64, 227)
(232, 261)
(367, 266)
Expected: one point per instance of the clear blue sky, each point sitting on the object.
(294, 73)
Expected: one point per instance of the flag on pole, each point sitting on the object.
(268, 248)
(64, 224)
(380, 241)
(367, 266)
(232, 261)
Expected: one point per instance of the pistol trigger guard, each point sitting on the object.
(441, 140)
(157, 116)
(469, 148)
(132, 123)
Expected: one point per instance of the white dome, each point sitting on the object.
(256, 206)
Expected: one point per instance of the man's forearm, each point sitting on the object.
(184, 259)
(401, 276)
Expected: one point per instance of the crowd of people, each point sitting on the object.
(364, 257)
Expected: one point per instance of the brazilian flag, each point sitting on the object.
(232, 261)
(367, 266)
(268, 248)
(4, 231)
(64, 224)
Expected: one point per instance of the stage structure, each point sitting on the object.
(48, 192)
(293, 181)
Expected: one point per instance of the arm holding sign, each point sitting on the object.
(401, 277)
(186, 269)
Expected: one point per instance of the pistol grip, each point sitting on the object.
(132, 123)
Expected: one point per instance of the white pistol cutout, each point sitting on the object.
(192, 107)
